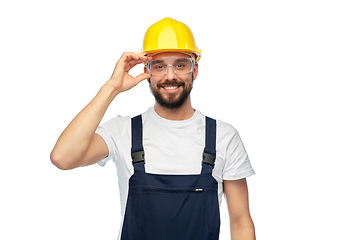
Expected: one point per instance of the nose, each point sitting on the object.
(170, 73)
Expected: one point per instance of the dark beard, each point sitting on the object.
(172, 101)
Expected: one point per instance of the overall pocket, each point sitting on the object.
(174, 213)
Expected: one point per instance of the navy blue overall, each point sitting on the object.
(172, 207)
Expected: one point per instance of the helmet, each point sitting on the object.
(169, 35)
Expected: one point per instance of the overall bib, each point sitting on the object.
(172, 207)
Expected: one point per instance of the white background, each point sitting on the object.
(284, 73)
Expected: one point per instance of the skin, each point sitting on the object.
(241, 223)
(79, 145)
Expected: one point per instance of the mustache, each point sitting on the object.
(170, 83)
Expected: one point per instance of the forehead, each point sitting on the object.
(170, 55)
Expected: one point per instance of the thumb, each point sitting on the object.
(142, 77)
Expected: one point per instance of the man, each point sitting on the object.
(173, 163)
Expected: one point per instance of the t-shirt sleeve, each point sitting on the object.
(112, 131)
(104, 132)
(237, 163)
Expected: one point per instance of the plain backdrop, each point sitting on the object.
(285, 74)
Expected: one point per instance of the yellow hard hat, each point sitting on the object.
(169, 35)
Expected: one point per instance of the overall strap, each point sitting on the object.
(137, 151)
(209, 154)
(138, 155)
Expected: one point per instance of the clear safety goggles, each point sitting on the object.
(180, 65)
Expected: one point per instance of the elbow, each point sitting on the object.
(59, 161)
(243, 221)
(243, 227)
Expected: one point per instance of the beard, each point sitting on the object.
(171, 100)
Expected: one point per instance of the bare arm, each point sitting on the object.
(79, 145)
(241, 224)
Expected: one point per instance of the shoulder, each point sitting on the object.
(121, 124)
(115, 128)
(225, 127)
(116, 122)
(225, 131)
(228, 138)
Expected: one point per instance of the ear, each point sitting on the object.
(145, 71)
(196, 70)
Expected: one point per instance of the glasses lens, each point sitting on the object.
(159, 67)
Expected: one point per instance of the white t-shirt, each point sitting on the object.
(174, 147)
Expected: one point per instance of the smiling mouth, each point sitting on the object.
(171, 88)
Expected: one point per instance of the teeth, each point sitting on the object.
(171, 87)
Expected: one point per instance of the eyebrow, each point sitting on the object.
(157, 61)
(176, 61)
(182, 60)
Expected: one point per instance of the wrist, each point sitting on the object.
(109, 90)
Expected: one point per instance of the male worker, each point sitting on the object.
(173, 163)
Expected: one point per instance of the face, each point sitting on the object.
(172, 90)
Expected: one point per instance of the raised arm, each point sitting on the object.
(79, 145)
(241, 224)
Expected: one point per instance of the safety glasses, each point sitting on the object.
(180, 65)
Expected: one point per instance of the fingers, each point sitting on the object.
(121, 79)
(128, 60)
(133, 59)
(136, 56)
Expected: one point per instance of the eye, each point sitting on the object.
(158, 67)
(180, 65)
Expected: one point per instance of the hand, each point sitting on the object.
(121, 80)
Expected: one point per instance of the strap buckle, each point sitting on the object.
(138, 157)
(209, 159)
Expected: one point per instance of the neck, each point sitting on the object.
(176, 114)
